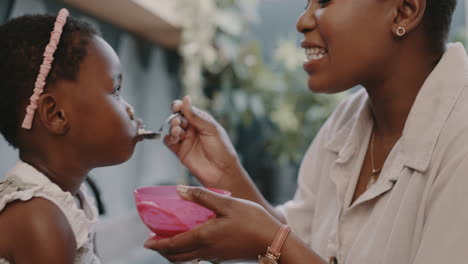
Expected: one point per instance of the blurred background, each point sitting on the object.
(239, 59)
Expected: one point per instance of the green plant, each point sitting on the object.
(267, 109)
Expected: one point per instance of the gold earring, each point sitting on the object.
(401, 31)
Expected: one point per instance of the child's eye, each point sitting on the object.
(116, 92)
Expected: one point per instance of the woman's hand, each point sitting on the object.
(241, 230)
(202, 145)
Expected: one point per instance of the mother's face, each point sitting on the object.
(347, 42)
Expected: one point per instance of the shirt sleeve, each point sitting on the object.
(445, 234)
(299, 211)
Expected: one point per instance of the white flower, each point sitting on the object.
(201, 21)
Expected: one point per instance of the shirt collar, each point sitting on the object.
(349, 137)
(431, 109)
(433, 106)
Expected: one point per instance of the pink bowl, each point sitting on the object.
(167, 214)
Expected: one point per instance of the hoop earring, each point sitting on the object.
(401, 31)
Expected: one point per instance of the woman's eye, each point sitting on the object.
(323, 3)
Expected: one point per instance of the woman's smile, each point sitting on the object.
(315, 53)
(314, 56)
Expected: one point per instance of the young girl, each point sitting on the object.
(385, 180)
(60, 107)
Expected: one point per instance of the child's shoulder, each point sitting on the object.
(34, 227)
(24, 183)
(38, 227)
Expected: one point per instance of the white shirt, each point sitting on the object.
(417, 211)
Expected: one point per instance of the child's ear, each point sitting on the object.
(409, 14)
(51, 115)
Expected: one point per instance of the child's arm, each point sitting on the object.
(37, 232)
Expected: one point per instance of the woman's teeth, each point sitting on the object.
(315, 53)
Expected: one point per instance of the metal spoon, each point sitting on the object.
(148, 134)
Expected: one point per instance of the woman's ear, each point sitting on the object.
(408, 16)
(51, 115)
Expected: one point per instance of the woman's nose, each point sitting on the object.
(306, 22)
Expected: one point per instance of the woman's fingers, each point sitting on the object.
(192, 120)
(172, 143)
(179, 121)
(176, 106)
(176, 132)
(176, 121)
(241, 230)
(196, 117)
(184, 123)
(190, 257)
(181, 243)
(218, 203)
(182, 257)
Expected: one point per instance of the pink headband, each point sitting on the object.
(45, 67)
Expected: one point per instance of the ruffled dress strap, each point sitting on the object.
(24, 182)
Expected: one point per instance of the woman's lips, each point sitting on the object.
(311, 66)
(315, 54)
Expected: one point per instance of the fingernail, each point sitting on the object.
(182, 188)
(189, 99)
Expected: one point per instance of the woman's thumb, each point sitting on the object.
(206, 198)
(195, 116)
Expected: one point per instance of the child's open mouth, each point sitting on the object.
(148, 134)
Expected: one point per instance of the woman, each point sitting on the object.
(384, 180)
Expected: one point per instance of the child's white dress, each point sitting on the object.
(24, 182)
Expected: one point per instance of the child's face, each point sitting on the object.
(356, 38)
(103, 129)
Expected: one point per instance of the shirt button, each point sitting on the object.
(333, 260)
